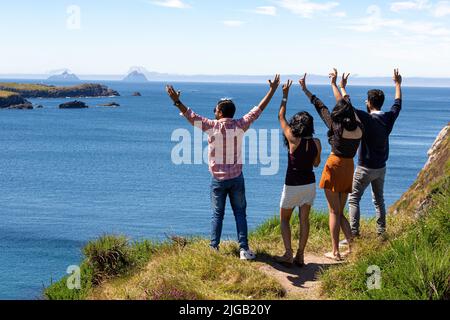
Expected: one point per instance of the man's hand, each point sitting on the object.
(333, 76)
(397, 77)
(273, 88)
(344, 80)
(286, 88)
(274, 83)
(174, 95)
(303, 83)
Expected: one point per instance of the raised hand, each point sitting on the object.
(344, 80)
(174, 95)
(303, 82)
(397, 77)
(286, 88)
(333, 76)
(275, 83)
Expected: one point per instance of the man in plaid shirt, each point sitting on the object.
(225, 136)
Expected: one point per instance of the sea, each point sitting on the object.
(70, 176)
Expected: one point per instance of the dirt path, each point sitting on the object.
(299, 283)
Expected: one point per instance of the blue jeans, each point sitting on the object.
(235, 189)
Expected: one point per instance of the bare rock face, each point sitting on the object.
(417, 199)
(14, 101)
(73, 105)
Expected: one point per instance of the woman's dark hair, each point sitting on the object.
(302, 125)
(227, 108)
(343, 117)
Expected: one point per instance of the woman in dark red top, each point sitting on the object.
(300, 184)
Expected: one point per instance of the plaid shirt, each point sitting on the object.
(224, 161)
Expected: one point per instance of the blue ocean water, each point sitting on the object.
(67, 176)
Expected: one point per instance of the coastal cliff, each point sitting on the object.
(48, 91)
(416, 200)
(13, 100)
(414, 262)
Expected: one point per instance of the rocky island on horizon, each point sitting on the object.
(135, 76)
(64, 77)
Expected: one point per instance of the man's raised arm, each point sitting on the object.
(397, 107)
(190, 115)
(398, 84)
(273, 88)
(250, 117)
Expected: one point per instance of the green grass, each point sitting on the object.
(114, 268)
(415, 265)
(6, 94)
(24, 86)
(105, 258)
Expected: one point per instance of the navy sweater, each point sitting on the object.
(374, 150)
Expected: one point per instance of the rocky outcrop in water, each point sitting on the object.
(73, 105)
(14, 101)
(111, 104)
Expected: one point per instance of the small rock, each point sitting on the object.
(23, 106)
(73, 105)
(111, 104)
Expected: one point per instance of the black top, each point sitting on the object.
(374, 151)
(300, 164)
(341, 147)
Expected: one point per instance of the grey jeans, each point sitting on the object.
(361, 180)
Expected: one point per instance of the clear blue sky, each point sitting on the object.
(227, 36)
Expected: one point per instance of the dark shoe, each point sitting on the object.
(286, 260)
(299, 259)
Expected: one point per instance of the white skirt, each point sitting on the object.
(298, 196)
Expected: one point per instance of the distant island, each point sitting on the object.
(64, 77)
(138, 74)
(135, 76)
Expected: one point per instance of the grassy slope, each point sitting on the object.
(414, 263)
(183, 270)
(24, 86)
(6, 94)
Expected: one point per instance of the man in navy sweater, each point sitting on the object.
(373, 153)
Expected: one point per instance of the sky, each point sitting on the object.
(248, 37)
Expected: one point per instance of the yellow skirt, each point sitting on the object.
(337, 174)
